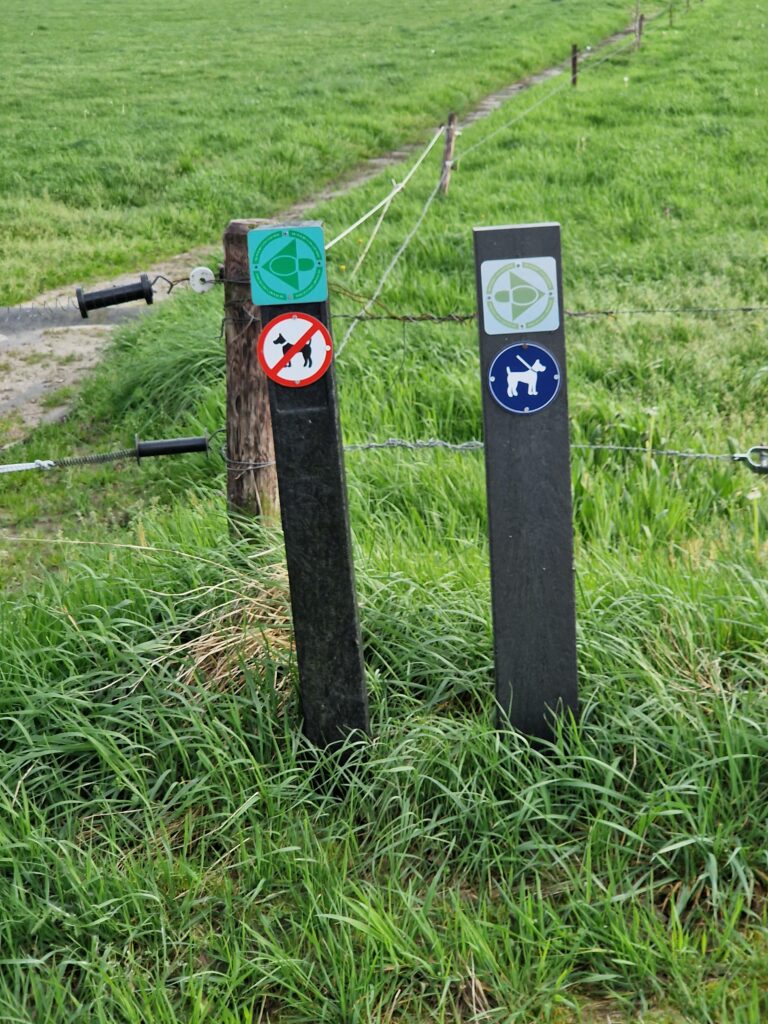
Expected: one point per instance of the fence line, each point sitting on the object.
(592, 65)
(68, 304)
(463, 318)
(371, 240)
(391, 195)
(390, 267)
(755, 458)
(564, 86)
(48, 310)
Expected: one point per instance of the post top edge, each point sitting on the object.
(507, 227)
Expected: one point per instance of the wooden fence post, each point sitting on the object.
(574, 64)
(450, 144)
(639, 29)
(249, 426)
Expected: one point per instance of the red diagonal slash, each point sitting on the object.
(297, 346)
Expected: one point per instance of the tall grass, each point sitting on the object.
(172, 851)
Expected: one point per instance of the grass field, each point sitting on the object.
(167, 855)
(129, 134)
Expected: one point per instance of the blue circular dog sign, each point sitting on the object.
(524, 378)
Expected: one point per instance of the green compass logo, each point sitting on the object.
(520, 295)
(287, 265)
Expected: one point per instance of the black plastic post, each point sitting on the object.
(315, 516)
(114, 296)
(527, 459)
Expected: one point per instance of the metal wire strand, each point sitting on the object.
(475, 445)
(756, 458)
(391, 266)
(463, 318)
(384, 203)
(592, 65)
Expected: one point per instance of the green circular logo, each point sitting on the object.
(520, 295)
(287, 264)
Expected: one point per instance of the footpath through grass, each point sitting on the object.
(129, 134)
(168, 856)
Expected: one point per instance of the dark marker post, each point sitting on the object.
(527, 460)
(288, 282)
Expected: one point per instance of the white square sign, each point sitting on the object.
(520, 295)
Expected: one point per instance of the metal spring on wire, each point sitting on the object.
(94, 460)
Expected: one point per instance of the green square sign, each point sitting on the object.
(287, 265)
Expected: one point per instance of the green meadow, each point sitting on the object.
(170, 851)
(130, 133)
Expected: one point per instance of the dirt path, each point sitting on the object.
(46, 347)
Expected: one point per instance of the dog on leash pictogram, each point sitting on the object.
(524, 378)
(527, 376)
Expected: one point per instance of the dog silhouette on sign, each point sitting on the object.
(528, 377)
(288, 345)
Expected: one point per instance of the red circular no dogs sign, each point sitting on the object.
(295, 349)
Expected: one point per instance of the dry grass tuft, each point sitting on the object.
(253, 627)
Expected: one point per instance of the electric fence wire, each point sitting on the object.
(387, 200)
(47, 310)
(463, 318)
(70, 461)
(755, 457)
(390, 267)
(371, 239)
(67, 304)
(589, 64)
(592, 65)
(171, 284)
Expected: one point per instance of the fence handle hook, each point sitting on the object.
(756, 458)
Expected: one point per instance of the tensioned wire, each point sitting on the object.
(384, 204)
(590, 66)
(391, 195)
(756, 452)
(465, 318)
(755, 457)
(632, 42)
(390, 267)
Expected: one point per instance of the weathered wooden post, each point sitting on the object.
(450, 145)
(527, 459)
(295, 349)
(250, 491)
(640, 27)
(574, 64)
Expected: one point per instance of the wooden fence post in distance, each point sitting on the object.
(574, 63)
(450, 145)
(249, 426)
